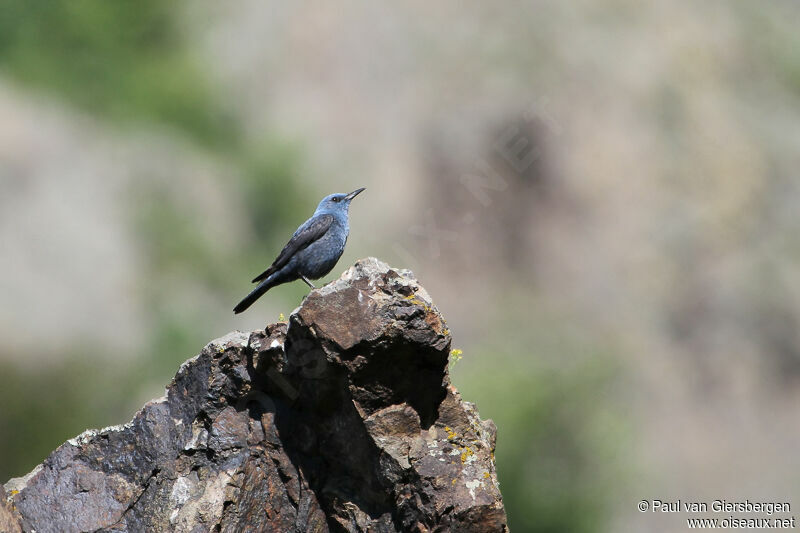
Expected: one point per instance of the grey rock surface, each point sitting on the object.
(342, 419)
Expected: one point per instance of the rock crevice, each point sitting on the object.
(342, 419)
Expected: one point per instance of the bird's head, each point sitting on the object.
(338, 202)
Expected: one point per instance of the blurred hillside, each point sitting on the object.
(600, 197)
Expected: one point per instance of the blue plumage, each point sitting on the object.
(313, 250)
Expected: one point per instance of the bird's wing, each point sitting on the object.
(311, 230)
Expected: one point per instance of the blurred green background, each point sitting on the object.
(601, 197)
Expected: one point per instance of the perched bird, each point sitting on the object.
(312, 251)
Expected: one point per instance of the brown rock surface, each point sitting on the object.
(341, 420)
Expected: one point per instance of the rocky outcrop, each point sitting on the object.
(342, 419)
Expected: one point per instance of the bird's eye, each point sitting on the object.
(334, 199)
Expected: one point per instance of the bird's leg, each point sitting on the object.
(307, 282)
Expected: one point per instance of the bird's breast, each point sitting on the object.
(321, 256)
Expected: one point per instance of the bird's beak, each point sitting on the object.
(353, 194)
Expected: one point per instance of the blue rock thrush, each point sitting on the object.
(312, 251)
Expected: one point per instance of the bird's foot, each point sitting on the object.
(307, 282)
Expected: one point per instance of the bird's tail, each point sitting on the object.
(248, 300)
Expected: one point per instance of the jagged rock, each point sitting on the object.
(341, 420)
